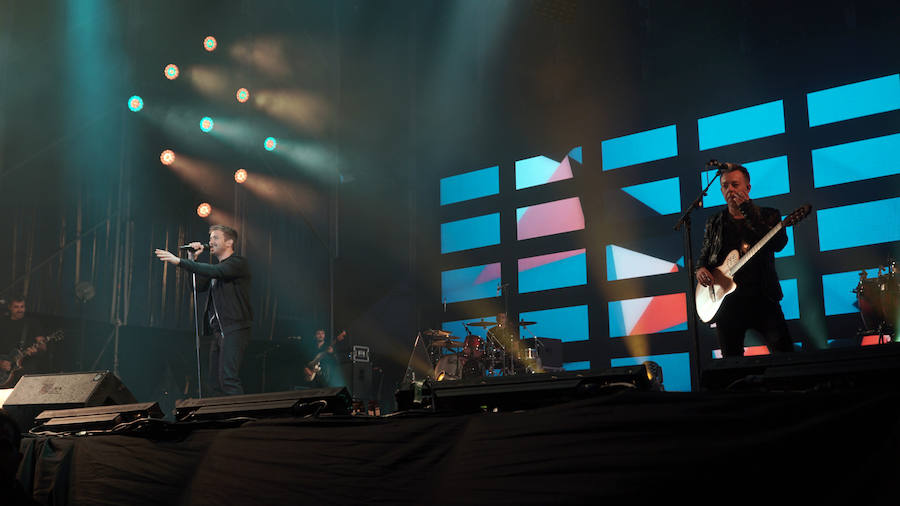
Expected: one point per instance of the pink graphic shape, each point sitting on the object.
(489, 273)
(663, 312)
(564, 171)
(550, 218)
(532, 262)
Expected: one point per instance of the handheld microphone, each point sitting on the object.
(188, 246)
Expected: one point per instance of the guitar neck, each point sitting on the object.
(752, 251)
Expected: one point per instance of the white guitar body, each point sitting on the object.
(709, 298)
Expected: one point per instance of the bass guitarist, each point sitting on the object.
(320, 364)
(755, 302)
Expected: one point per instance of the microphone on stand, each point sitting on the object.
(720, 166)
(188, 246)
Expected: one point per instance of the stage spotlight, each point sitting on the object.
(135, 103)
(171, 71)
(210, 43)
(204, 209)
(206, 124)
(240, 176)
(270, 143)
(167, 157)
(242, 95)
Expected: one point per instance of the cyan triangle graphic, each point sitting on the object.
(575, 154)
(680, 262)
(663, 196)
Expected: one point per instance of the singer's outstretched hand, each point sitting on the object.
(165, 256)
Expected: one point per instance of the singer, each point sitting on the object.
(755, 303)
(228, 315)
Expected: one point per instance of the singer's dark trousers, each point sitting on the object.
(741, 313)
(225, 355)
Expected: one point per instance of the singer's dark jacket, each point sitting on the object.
(759, 221)
(231, 291)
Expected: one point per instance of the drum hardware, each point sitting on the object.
(878, 301)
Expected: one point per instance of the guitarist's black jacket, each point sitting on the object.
(228, 284)
(758, 221)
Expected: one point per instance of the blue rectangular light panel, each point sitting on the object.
(741, 125)
(855, 161)
(469, 283)
(566, 323)
(582, 365)
(471, 185)
(767, 177)
(676, 369)
(854, 100)
(640, 147)
(837, 290)
(556, 270)
(470, 233)
(790, 304)
(855, 225)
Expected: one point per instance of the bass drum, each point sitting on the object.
(449, 367)
(878, 300)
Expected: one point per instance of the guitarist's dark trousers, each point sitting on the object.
(225, 356)
(740, 313)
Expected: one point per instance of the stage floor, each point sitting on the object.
(818, 447)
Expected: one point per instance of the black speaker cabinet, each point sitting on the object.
(35, 393)
(358, 378)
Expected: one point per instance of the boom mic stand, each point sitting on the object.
(684, 223)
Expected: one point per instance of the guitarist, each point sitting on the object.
(755, 302)
(320, 352)
(20, 331)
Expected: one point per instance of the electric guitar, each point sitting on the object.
(709, 298)
(8, 379)
(314, 366)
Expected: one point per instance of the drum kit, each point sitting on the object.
(878, 300)
(475, 356)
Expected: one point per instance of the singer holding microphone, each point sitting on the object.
(228, 315)
(755, 302)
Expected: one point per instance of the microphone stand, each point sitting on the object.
(197, 332)
(684, 223)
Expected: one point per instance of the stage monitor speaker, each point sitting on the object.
(96, 418)
(523, 391)
(276, 404)
(35, 393)
(869, 367)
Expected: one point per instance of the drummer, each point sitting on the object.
(505, 334)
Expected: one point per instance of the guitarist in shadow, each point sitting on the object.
(320, 367)
(22, 342)
(755, 302)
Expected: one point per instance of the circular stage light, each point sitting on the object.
(210, 43)
(167, 157)
(240, 176)
(135, 103)
(204, 209)
(270, 143)
(242, 95)
(171, 71)
(206, 124)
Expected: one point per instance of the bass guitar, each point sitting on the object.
(314, 366)
(709, 298)
(8, 379)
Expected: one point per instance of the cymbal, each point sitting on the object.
(525, 324)
(434, 332)
(445, 343)
(482, 324)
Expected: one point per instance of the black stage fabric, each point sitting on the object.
(821, 448)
